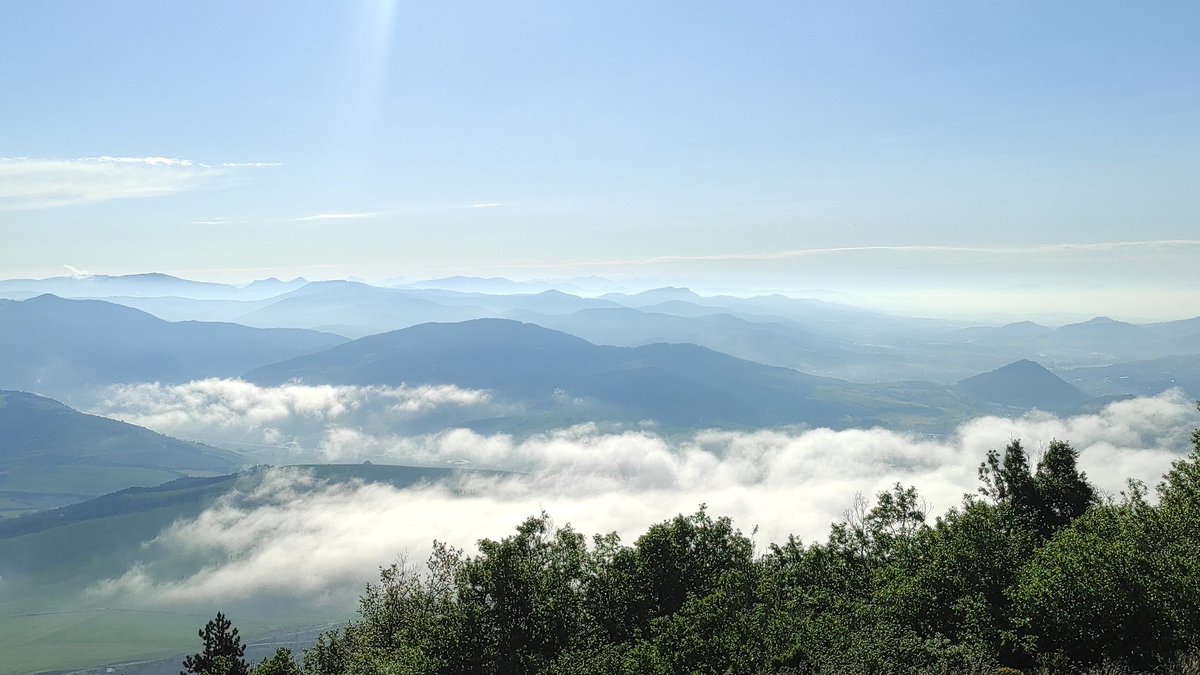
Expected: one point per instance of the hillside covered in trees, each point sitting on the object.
(1038, 573)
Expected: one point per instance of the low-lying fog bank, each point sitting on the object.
(292, 536)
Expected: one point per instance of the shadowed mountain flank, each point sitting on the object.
(1023, 384)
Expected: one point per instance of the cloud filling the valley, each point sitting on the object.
(292, 536)
(232, 410)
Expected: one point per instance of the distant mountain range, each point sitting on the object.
(52, 455)
(142, 285)
(678, 385)
(675, 384)
(354, 309)
(813, 336)
(1099, 339)
(62, 348)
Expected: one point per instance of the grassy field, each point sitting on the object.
(68, 640)
(49, 622)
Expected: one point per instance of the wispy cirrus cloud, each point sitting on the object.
(1030, 250)
(340, 216)
(407, 210)
(37, 183)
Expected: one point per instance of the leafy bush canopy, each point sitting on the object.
(1035, 574)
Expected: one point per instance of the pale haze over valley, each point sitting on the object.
(290, 291)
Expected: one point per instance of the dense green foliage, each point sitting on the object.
(1037, 573)
(280, 663)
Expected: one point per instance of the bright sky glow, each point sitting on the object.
(928, 147)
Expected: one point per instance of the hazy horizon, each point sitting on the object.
(996, 303)
(997, 160)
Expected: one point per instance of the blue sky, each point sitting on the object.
(688, 141)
